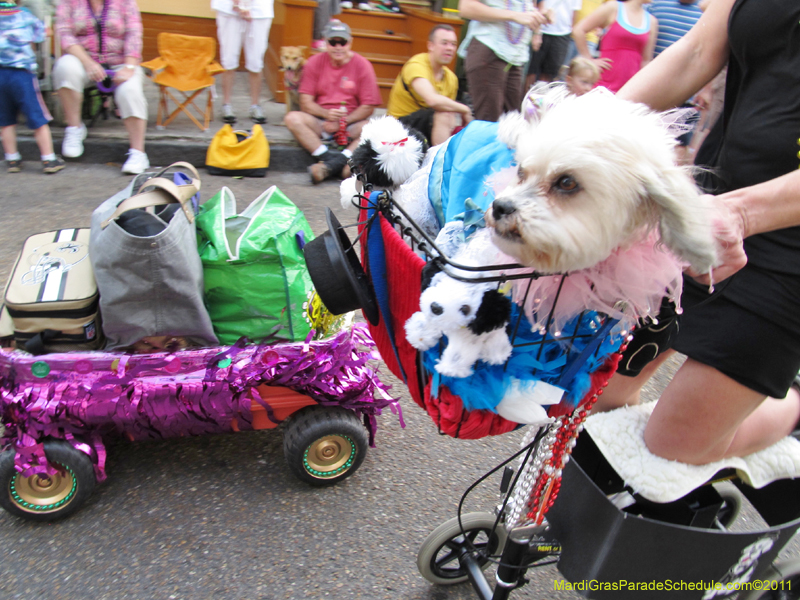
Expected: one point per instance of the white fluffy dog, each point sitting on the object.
(595, 172)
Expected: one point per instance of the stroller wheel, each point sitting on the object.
(47, 498)
(324, 445)
(730, 509)
(438, 557)
(780, 582)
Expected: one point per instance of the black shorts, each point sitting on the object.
(549, 58)
(760, 353)
(421, 120)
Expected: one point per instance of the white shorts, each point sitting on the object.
(69, 73)
(232, 31)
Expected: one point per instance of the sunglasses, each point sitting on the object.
(337, 42)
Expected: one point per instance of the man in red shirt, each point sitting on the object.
(336, 84)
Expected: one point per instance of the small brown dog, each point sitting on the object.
(292, 61)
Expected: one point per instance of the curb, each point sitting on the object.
(283, 157)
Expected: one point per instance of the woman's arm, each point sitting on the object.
(687, 65)
(600, 18)
(133, 32)
(476, 10)
(649, 47)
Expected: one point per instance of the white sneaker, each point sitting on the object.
(345, 4)
(137, 163)
(364, 6)
(72, 147)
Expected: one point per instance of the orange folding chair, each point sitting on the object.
(185, 63)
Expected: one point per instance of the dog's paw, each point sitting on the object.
(419, 332)
(496, 348)
(453, 370)
(348, 192)
(454, 364)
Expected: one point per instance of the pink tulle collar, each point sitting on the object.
(628, 286)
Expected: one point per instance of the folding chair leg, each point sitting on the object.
(209, 108)
(162, 104)
(182, 106)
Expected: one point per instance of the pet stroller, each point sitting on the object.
(553, 509)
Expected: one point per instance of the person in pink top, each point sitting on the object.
(337, 84)
(101, 37)
(627, 45)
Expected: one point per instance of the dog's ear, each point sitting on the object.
(510, 127)
(493, 313)
(684, 217)
(424, 142)
(429, 271)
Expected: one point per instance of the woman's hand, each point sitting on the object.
(531, 19)
(603, 63)
(122, 75)
(729, 227)
(95, 70)
(536, 41)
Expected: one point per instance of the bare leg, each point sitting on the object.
(227, 85)
(704, 416)
(71, 101)
(625, 391)
(255, 86)
(44, 140)
(354, 129)
(443, 125)
(305, 128)
(136, 129)
(9, 135)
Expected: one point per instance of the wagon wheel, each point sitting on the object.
(437, 559)
(43, 497)
(324, 445)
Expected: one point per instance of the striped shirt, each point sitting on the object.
(675, 19)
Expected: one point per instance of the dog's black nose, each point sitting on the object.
(436, 308)
(502, 208)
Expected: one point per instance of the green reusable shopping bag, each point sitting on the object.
(255, 277)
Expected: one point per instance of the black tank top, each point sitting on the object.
(761, 119)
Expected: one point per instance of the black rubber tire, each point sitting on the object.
(446, 569)
(786, 575)
(39, 498)
(324, 445)
(732, 507)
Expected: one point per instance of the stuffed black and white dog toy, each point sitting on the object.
(387, 156)
(473, 316)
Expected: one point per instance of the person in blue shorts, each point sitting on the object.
(19, 87)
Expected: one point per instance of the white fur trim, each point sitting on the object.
(619, 435)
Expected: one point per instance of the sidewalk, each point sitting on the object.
(107, 141)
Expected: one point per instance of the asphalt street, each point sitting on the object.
(221, 517)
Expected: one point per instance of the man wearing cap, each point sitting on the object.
(424, 93)
(336, 83)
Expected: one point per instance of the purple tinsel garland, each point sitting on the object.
(81, 397)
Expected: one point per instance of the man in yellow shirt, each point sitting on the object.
(423, 95)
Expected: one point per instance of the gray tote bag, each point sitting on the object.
(150, 281)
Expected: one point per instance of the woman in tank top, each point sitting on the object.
(628, 43)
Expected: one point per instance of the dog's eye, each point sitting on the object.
(465, 310)
(521, 174)
(566, 183)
